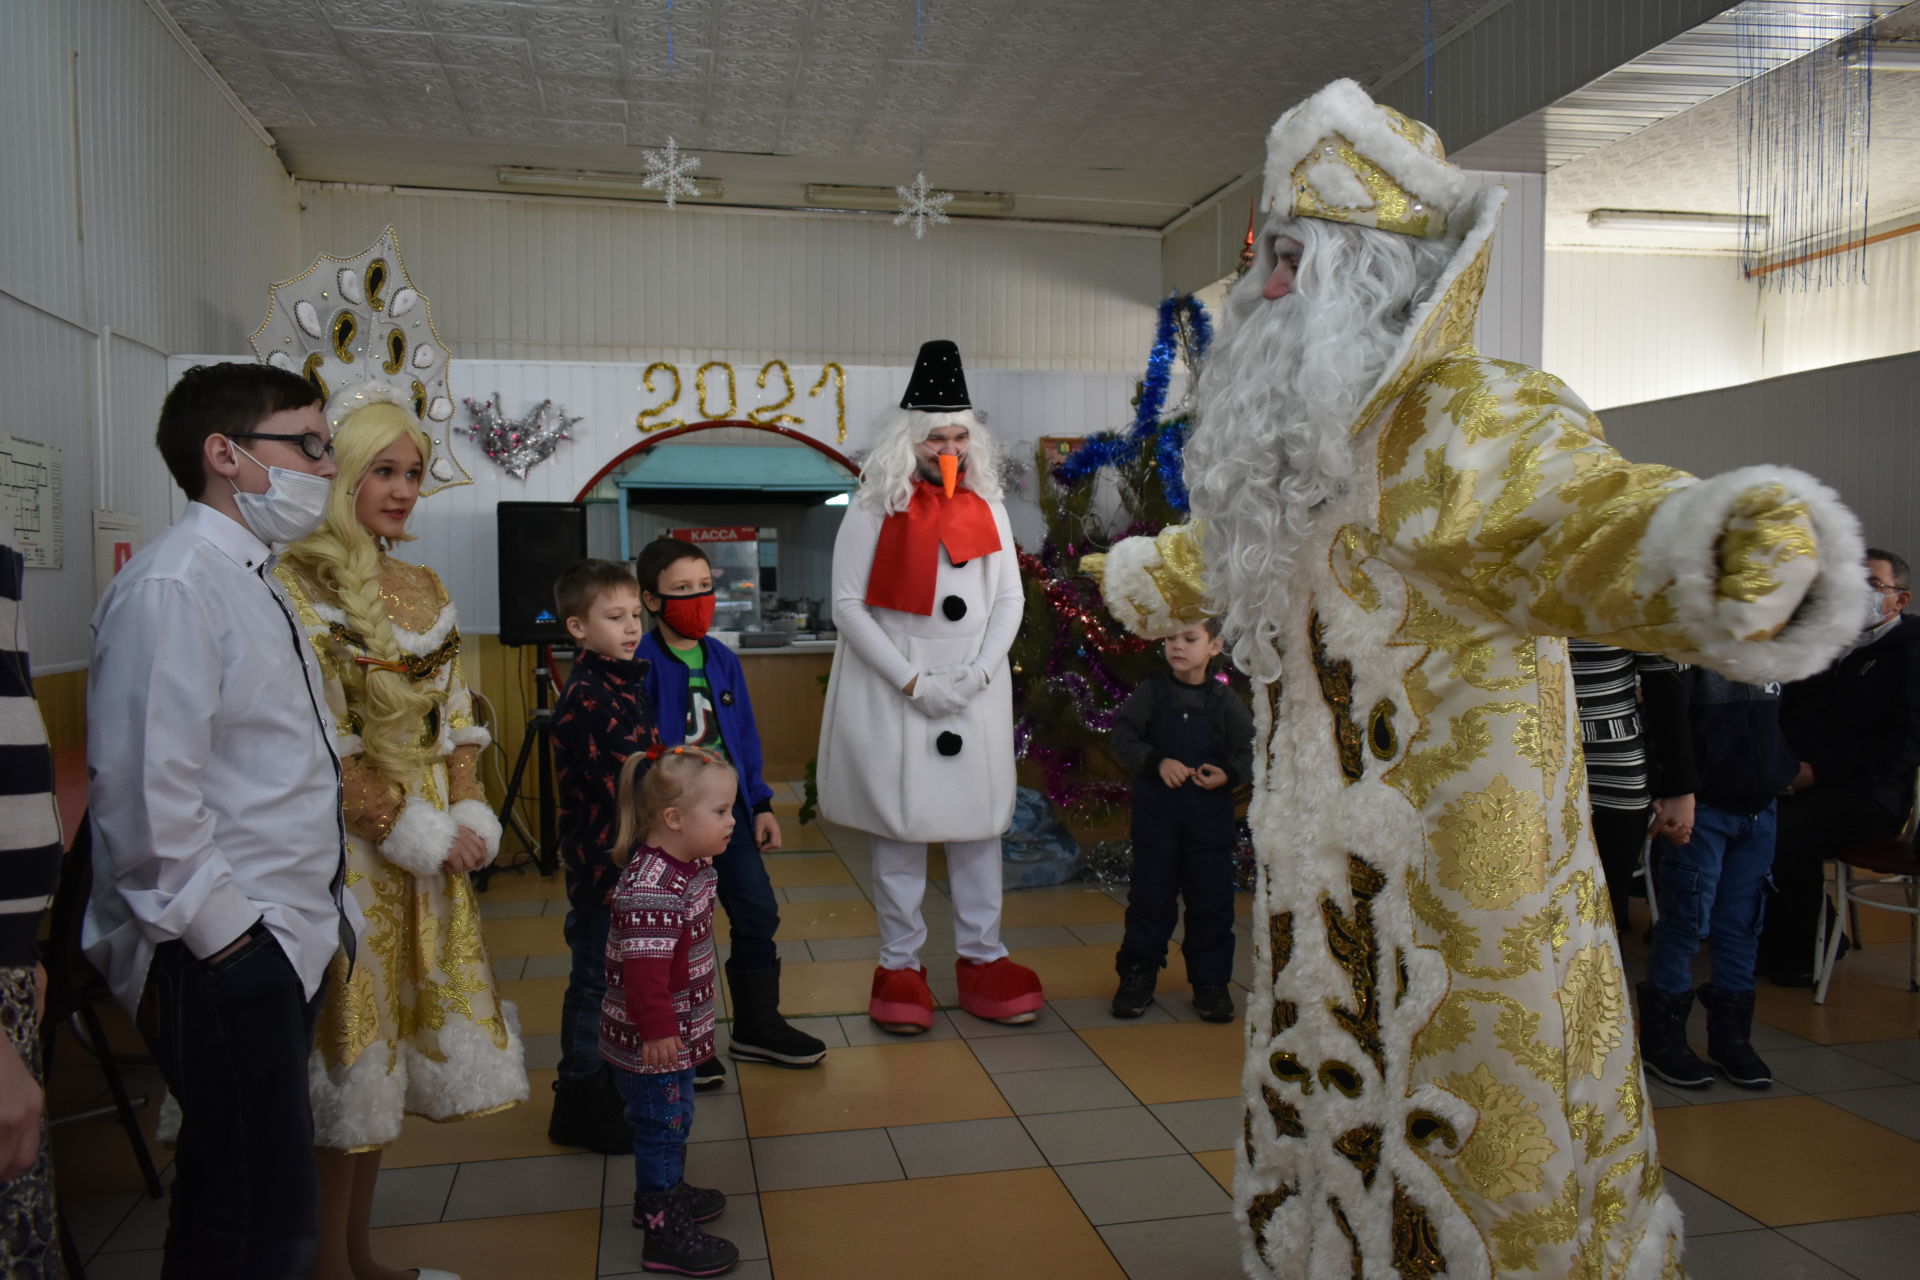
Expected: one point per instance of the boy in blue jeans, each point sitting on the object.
(700, 693)
(1712, 853)
(603, 717)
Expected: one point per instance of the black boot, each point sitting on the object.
(1137, 978)
(760, 1034)
(590, 1113)
(709, 1075)
(674, 1243)
(1663, 1040)
(704, 1204)
(1729, 1032)
(1214, 1003)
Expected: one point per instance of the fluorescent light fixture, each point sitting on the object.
(601, 182)
(1720, 224)
(1885, 57)
(826, 195)
(838, 500)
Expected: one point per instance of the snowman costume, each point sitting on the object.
(926, 596)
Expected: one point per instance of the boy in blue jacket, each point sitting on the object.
(699, 693)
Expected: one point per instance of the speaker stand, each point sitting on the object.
(538, 734)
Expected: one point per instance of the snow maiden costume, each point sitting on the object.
(926, 592)
(1441, 1075)
(417, 1026)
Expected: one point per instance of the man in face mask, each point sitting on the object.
(215, 801)
(1397, 532)
(917, 741)
(1856, 727)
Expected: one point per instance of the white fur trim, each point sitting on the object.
(1821, 604)
(363, 1104)
(348, 744)
(1339, 185)
(474, 735)
(476, 817)
(166, 1126)
(1131, 594)
(1343, 107)
(419, 841)
(421, 643)
(1665, 1224)
(329, 613)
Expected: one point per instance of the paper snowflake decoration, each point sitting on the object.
(667, 172)
(920, 206)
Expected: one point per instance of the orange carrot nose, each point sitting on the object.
(949, 473)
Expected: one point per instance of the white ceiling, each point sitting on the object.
(1125, 112)
(1116, 111)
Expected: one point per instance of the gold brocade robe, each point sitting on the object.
(1442, 1074)
(418, 1028)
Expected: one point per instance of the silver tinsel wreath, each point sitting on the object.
(518, 445)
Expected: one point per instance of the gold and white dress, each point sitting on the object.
(1442, 1074)
(418, 1027)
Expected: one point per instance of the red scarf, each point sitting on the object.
(908, 555)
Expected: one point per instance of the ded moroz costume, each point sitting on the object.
(926, 595)
(1441, 1074)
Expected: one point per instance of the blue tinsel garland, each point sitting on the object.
(1110, 448)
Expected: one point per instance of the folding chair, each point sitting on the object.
(72, 987)
(1891, 883)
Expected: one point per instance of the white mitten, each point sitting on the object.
(937, 693)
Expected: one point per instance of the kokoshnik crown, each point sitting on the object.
(358, 330)
(1345, 158)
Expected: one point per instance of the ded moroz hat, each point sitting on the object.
(939, 382)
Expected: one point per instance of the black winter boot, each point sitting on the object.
(760, 1034)
(674, 1243)
(590, 1113)
(709, 1075)
(704, 1204)
(1214, 1003)
(1137, 978)
(1663, 1040)
(1729, 1032)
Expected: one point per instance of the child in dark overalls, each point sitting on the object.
(1187, 738)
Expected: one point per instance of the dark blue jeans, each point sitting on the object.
(746, 895)
(232, 1041)
(586, 933)
(1712, 888)
(660, 1112)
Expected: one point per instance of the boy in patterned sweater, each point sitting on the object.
(603, 719)
(656, 1023)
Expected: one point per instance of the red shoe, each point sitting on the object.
(901, 1001)
(999, 991)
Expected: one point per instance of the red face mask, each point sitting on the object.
(691, 616)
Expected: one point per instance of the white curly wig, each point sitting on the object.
(888, 471)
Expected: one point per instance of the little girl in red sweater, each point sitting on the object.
(656, 1023)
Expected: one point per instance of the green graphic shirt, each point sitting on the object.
(703, 726)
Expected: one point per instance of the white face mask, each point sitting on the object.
(292, 507)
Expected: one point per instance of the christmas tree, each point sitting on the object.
(1073, 664)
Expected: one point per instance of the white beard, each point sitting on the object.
(1272, 449)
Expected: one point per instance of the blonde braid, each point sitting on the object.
(345, 560)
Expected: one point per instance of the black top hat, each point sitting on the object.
(939, 383)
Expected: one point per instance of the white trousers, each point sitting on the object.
(900, 883)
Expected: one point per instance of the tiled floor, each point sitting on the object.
(1095, 1148)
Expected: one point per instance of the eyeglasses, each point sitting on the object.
(310, 444)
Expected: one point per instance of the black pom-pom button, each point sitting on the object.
(954, 607)
(948, 743)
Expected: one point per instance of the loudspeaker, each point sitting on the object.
(538, 540)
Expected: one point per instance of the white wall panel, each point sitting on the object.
(529, 278)
(455, 528)
(1851, 425)
(1879, 316)
(1625, 327)
(134, 202)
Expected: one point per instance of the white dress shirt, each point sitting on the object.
(215, 792)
